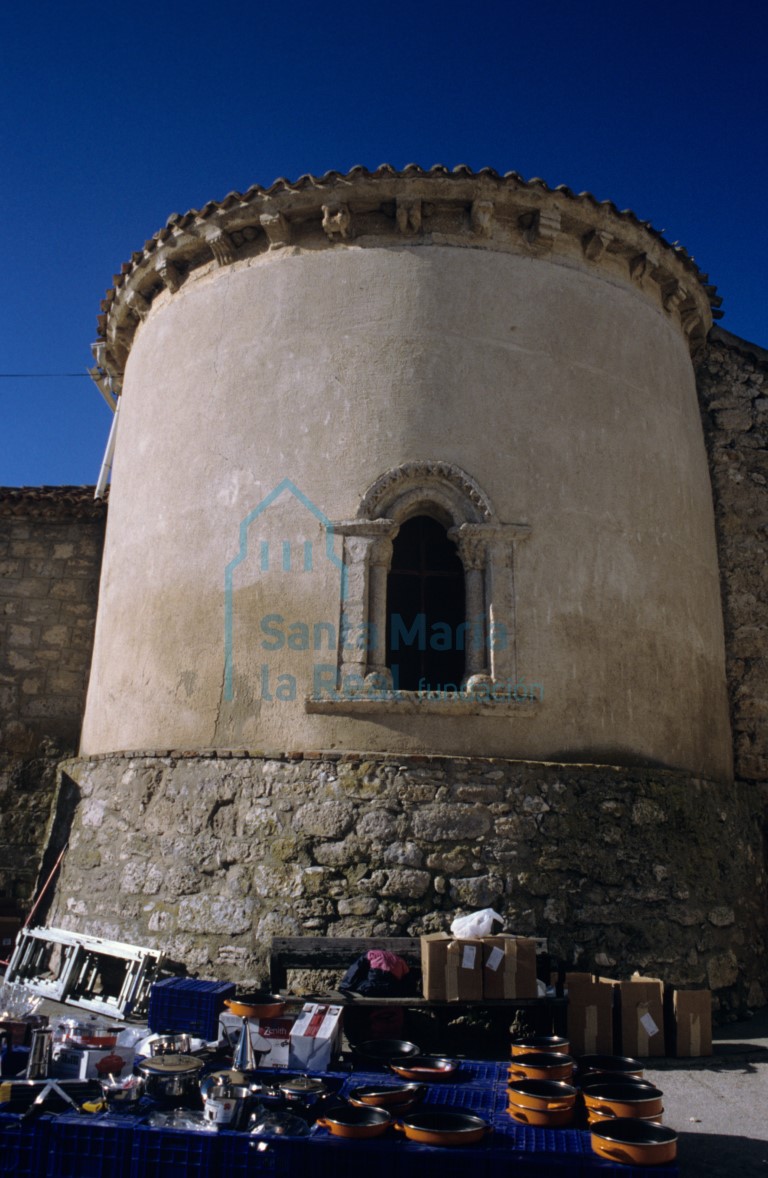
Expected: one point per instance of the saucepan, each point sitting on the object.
(443, 1127)
(258, 1004)
(541, 1065)
(633, 1142)
(425, 1068)
(624, 1100)
(345, 1121)
(540, 1043)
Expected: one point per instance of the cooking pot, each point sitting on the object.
(258, 1004)
(425, 1067)
(635, 1143)
(541, 1065)
(302, 1090)
(244, 1082)
(120, 1093)
(344, 1121)
(596, 1117)
(171, 1075)
(178, 1043)
(624, 1100)
(443, 1127)
(612, 1066)
(540, 1043)
(385, 1051)
(542, 1095)
(552, 1118)
(400, 1097)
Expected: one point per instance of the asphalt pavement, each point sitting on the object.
(719, 1105)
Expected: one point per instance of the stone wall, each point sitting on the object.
(51, 540)
(620, 869)
(733, 390)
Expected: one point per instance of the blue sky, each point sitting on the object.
(113, 118)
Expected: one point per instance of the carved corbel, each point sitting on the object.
(277, 229)
(540, 227)
(137, 304)
(409, 215)
(481, 217)
(595, 243)
(168, 274)
(337, 221)
(691, 321)
(639, 266)
(673, 295)
(220, 245)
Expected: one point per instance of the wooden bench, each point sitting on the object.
(338, 953)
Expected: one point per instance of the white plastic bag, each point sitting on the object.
(476, 924)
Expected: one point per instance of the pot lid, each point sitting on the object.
(171, 1065)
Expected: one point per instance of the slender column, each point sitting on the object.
(473, 550)
(367, 556)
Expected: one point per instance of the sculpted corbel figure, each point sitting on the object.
(409, 216)
(481, 217)
(337, 221)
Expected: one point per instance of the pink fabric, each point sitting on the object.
(388, 962)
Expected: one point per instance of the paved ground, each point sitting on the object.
(719, 1106)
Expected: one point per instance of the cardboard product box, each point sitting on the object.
(434, 950)
(90, 1063)
(590, 1014)
(273, 1037)
(452, 969)
(642, 1016)
(509, 967)
(315, 1037)
(688, 1021)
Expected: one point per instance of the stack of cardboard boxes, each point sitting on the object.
(641, 1017)
(467, 970)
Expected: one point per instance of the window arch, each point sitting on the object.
(454, 501)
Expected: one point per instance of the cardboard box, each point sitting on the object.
(688, 1022)
(273, 1037)
(434, 948)
(315, 1037)
(270, 1036)
(509, 967)
(642, 1016)
(90, 1063)
(590, 1014)
(452, 969)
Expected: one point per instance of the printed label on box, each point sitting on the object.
(649, 1024)
(495, 958)
(468, 957)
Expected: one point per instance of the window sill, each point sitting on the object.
(417, 703)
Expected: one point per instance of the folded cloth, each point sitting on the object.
(387, 962)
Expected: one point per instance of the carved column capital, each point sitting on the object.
(220, 245)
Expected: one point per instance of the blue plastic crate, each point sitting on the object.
(273, 1157)
(90, 1147)
(23, 1145)
(159, 1153)
(187, 1004)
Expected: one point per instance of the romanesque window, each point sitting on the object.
(426, 540)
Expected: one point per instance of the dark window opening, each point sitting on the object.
(426, 611)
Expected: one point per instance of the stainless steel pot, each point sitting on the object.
(171, 1075)
(178, 1043)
